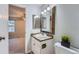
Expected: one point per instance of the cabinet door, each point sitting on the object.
(35, 46)
(4, 28)
(48, 49)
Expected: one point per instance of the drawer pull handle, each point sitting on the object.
(44, 46)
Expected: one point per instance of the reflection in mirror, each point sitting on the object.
(48, 19)
(43, 22)
(36, 22)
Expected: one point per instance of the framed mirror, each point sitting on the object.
(48, 16)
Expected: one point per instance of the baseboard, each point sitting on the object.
(28, 52)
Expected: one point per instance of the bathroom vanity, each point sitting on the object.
(42, 44)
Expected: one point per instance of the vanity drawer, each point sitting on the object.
(35, 46)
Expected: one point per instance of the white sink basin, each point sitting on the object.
(41, 37)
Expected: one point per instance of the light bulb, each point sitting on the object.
(42, 12)
(48, 8)
(45, 10)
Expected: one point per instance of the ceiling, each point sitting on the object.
(24, 5)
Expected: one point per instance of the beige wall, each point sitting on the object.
(20, 28)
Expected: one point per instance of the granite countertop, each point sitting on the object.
(41, 37)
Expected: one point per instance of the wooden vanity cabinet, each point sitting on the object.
(42, 46)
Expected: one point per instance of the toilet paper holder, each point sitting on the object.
(2, 38)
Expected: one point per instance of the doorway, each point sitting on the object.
(16, 29)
